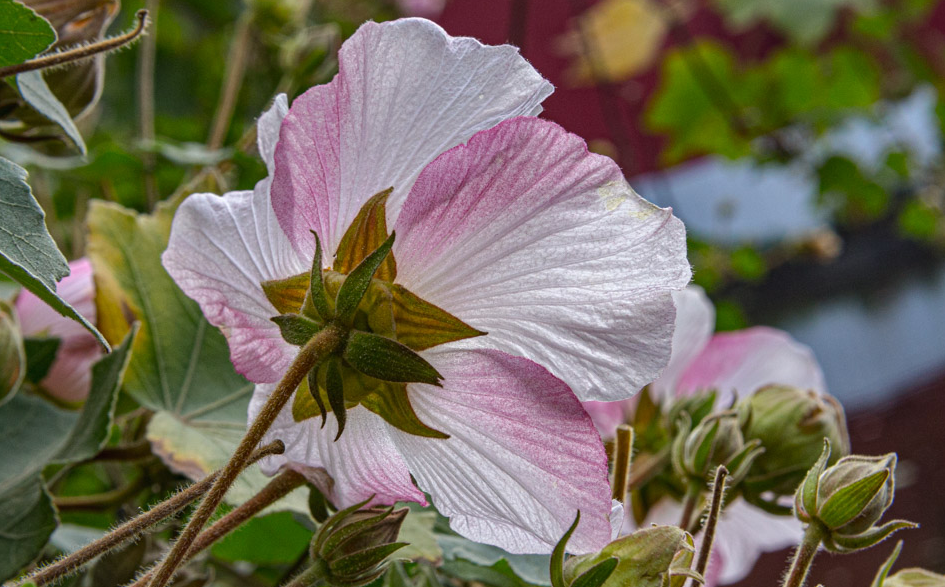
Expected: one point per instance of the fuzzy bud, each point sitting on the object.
(645, 558)
(352, 546)
(791, 424)
(848, 499)
(716, 440)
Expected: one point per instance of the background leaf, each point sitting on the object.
(27, 253)
(33, 434)
(33, 89)
(23, 33)
(180, 365)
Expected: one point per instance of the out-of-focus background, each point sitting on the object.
(799, 140)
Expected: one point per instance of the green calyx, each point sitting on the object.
(387, 326)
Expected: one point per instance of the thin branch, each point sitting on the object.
(134, 527)
(275, 490)
(70, 56)
(232, 80)
(146, 59)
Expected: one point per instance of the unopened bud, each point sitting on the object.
(352, 546)
(791, 424)
(848, 499)
(716, 440)
(643, 559)
(12, 356)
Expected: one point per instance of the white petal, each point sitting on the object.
(267, 130)
(524, 234)
(695, 323)
(522, 458)
(745, 532)
(405, 92)
(362, 462)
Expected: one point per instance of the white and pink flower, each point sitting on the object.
(734, 364)
(503, 220)
(70, 374)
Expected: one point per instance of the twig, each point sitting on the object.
(232, 80)
(80, 53)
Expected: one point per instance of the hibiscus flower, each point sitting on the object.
(734, 364)
(70, 374)
(523, 267)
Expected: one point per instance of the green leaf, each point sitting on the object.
(40, 354)
(848, 503)
(23, 33)
(27, 252)
(421, 325)
(388, 360)
(556, 565)
(34, 433)
(367, 233)
(296, 329)
(596, 575)
(887, 566)
(417, 531)
(531, 568)
(13, 365)
(803, 21)
(358, 280)
(33, 89)
(180, 365)
(285, 540)
(393, 404)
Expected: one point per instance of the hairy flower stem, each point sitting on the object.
(804, 555)
(79, 53)
(310, 577)
(715, 509)
(275, 490)
(134, 527)
(314, 352)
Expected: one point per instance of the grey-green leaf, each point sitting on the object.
(33, 89)
(23, 33)
(388, 360)
(27, 253)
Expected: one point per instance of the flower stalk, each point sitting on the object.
(275, 490)
(135, 527)
(323, 344)
(804, 555)
(715, 510)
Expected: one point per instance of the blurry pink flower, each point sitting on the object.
(735, 364)
(424, 8)
(70, 376)
(503, 220)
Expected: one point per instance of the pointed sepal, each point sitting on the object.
(883, 571)
(388, 360)
(334, 385)
(557, 555)
(358, 280)
(873, 536)
(287, 295)
(596, 575)
(317, 300)
(422, 325)
(316, 395)
(296, 329)
(805, 498)
(845, 504)
(393, 404)
(365, 234)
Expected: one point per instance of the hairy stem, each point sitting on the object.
(314, 352)
(134, 527)
(79, 53)
(275, 490)
(804, 555)
(311, 576)
(715, 508)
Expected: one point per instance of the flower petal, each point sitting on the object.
(69, 376)
(522, 458)
(608, 415)
(405, 92)
(695, 323)
(363, 461)
(524, 234)
(222, 248)
(738, 363)
(267, 130)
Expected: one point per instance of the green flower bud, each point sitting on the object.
(352, 546)
(12, 356)
(643, 559)
(847, 500)
(791, 424)
(716, 440)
